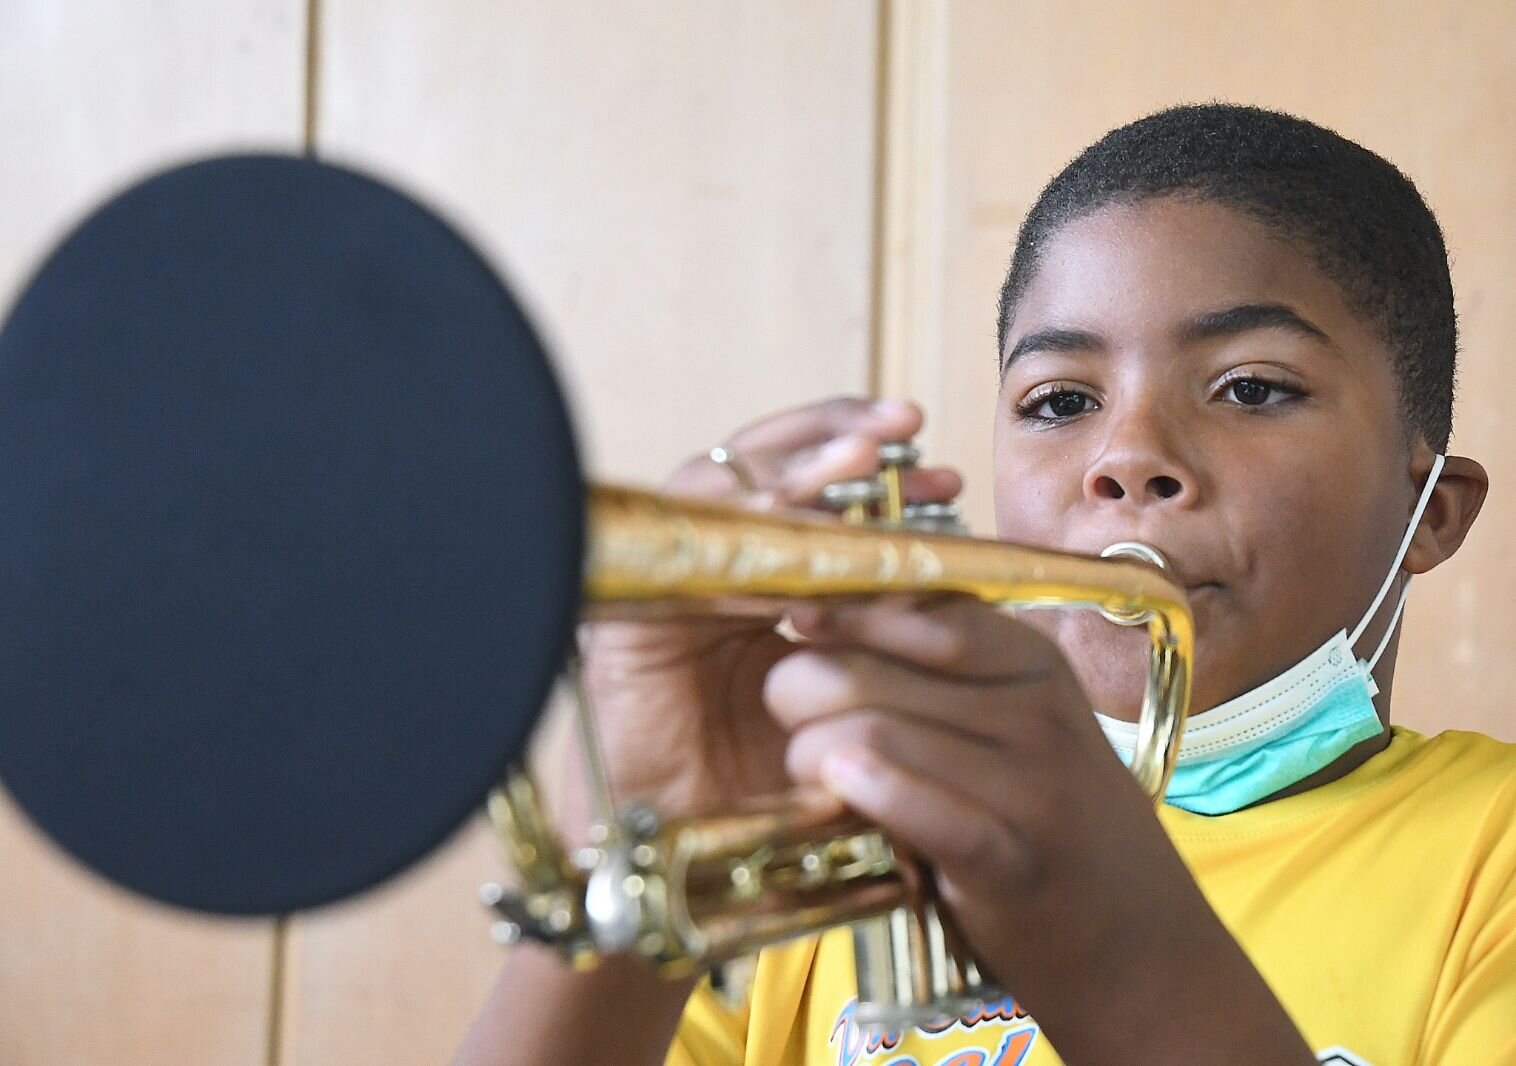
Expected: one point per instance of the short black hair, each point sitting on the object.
(1361, 219)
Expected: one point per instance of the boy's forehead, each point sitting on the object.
(1149, 265)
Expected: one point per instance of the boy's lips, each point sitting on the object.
(1182, 569)
(1192, 584)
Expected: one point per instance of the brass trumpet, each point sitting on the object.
(694, 892)
(280, 602)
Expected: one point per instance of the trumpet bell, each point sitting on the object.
(292, 535)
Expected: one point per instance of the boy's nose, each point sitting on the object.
(1157, 487)
(1141, 469)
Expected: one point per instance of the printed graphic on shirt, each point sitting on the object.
(1003, 1021)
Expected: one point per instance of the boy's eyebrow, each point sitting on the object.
(1055, 340)
(1245, 317)
(1207, 326)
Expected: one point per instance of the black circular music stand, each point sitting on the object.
(291, 523)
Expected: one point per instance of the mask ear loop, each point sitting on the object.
(1384, 641)
(1405, 544)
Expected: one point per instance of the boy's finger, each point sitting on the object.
(944, 828)
(955, 635)
(797, 474)
(986, 773)
(803, 476)
(815, 683)
(808, 426)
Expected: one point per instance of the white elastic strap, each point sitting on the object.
(1384, 641)
(1405, 544)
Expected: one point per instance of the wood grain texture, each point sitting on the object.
(685, 193)
(681, 189)
(682, 192)
(1009, 93)
(93, 94)
(89, 975)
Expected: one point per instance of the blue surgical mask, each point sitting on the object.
(1287, 728)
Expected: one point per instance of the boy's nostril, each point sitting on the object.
(1108, 488)
(1164, 486)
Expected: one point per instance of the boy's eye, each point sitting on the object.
(1257, 392)
(1250, 391)
(1067, 404)
(1056, 404)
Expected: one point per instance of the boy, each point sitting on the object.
(1227, 333)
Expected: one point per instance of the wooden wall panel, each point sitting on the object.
(988, 100)
(683, 191)
(91, 95)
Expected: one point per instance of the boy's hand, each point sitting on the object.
(680, 703)
(963, 733)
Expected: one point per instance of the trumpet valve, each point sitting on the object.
(934, 518)
(856, 499)
(880, 500)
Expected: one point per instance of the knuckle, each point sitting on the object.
(1011, 859)
(810, 743)
(1038, 816)
(955, 647)
(1042, 726)
(802, 756)
(875, 731)
(767, 500)
(961, 627)
(980, 840)
(892, 796)
(687, 477)
(838, 681)
(951, 643)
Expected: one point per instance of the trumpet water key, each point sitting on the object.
(296, 541)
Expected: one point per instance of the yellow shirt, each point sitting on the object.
(1381, 908)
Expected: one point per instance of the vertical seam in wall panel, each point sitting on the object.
(279, 961)
(275, 1035)
(312, 72)
(880, 179)
(912, 218)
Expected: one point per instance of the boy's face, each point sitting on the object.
(1181, 376)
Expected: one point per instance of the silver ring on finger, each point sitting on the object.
(721, 455)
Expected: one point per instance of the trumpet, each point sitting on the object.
(693, 892)
(279, 608)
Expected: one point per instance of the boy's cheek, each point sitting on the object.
(1109, 661)
(1031, 512)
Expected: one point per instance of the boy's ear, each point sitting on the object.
(1454, 505)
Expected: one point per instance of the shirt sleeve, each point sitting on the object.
(1475, 1021)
